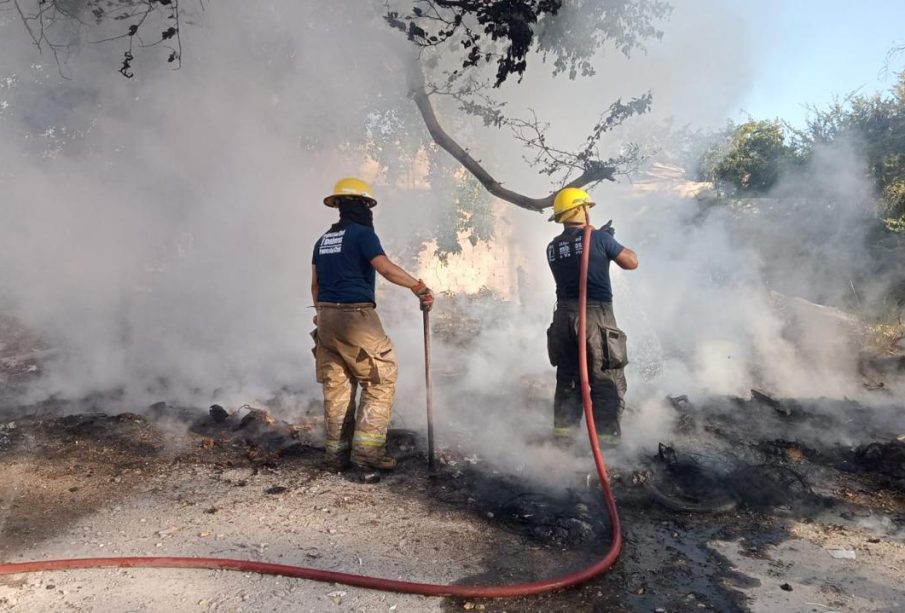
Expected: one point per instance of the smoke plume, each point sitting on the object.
(159, 230)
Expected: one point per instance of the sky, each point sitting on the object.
(731, 59)
(807, 51)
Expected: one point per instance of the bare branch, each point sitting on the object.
(25, 22)
(893, 54)
(532, 132)
(593, 172)
(44, 18)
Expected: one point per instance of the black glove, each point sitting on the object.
(609, 229)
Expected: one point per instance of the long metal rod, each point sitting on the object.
(429, 388)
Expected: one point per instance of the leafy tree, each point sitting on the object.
(498, 37)
(751, 158)
(876, 126)
(754, 154)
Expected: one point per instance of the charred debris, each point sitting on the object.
(776, 455)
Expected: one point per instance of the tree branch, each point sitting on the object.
(593, 173)
(44, 17)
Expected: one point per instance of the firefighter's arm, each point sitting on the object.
(314, 284)
(627, 259)
(394, 274)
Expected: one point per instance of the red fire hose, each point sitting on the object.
(390, 585)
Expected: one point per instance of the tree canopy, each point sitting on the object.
(752, 157)
(875, 124)
(462, 50)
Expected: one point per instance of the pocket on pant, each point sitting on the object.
(377, 364)
(552, 351)
(615, 348)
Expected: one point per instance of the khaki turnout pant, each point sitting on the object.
(352, 350)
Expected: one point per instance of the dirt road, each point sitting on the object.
(99, 485)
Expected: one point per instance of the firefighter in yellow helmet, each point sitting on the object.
(606, 343)
(351, 349)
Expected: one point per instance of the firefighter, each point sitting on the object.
(605, 342)
(351, 348)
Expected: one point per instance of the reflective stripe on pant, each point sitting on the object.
(608, 386)
(353, 350)
(564, 432)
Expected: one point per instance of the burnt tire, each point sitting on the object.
(721, 502)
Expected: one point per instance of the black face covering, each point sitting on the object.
(354, 210)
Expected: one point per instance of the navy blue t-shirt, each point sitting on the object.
(564, 257)
(342, 258)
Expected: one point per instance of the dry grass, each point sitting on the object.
(886, 339)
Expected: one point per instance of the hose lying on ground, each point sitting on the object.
(390, 585)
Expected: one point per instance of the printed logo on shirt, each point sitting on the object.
(565, 250)
(551, 255)
(332, 242)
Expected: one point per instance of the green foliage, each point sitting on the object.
(575, 37)
(895, 225)
(876, 126)
(751, 157)
(396, 141)
(393, 138)
(483, 43)
(755, 154)
(468, 208)
(894, 199)
(505, 32)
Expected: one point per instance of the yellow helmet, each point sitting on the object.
(567, 199)
(350, 186)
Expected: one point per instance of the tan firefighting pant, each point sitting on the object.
(352, 349)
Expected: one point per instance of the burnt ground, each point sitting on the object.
(800, 506)
(755, 504)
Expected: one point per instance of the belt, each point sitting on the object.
(573, 304)
(346, 306)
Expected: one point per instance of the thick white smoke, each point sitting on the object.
(712, 308)
(166, 246)
(159, 229)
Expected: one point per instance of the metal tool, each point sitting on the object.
(431, 463)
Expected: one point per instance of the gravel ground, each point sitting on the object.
(98, 485)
